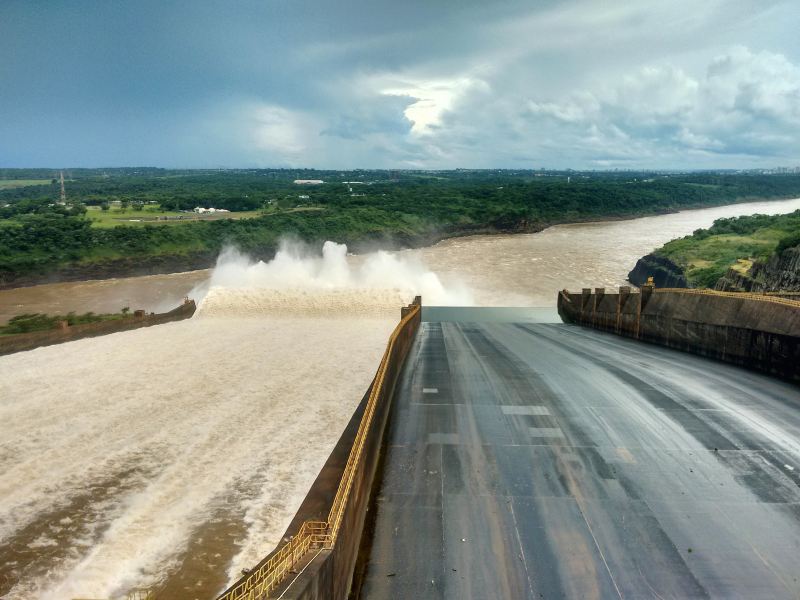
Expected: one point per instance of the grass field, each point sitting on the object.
(153, 215)
(706, 260)
(7, 184)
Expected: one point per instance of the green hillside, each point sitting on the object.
(736, 243)
(130, 220)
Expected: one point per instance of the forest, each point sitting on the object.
(39, 236)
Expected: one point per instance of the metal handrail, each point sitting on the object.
(315, 535)
(312, 535)
(746, 295)
(339, 502)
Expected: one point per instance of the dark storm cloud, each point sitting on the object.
(394, 84)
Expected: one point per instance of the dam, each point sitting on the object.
(532, 460)
(524, 457)
(495, 452)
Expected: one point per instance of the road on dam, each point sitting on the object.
(529, 460)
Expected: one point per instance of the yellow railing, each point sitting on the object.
(747, 295)
(342, 493)
(320, 534)
(312, 535)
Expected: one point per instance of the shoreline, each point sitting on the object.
(128, 268)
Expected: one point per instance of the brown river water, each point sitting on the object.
(173, 457)
(499, 270)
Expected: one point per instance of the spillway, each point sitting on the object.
(175, 456)
(536, 460)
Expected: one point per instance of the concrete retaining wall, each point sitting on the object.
(328, 573)
(34, 339)
(757, 333)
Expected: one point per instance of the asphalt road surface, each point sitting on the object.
(551, 461)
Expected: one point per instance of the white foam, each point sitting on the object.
(371, 279)
(197, 407)
(337, 303)
(233, 412)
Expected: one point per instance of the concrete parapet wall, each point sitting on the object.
(758, 332)
(329, 576)
(28, 341)
(326, 572)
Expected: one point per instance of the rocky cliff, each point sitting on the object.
(665, 273)
(780, 273)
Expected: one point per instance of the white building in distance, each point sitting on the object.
(308, 181)
(202, 211)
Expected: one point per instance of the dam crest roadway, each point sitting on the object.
(526, 458)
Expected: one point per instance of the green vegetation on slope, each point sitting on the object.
(37, 236)
(707, 254)
(29, 322)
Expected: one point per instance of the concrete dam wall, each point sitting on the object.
(754, 331)
(318, 557)
(28, 341)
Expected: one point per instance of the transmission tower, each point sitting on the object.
(63, 191)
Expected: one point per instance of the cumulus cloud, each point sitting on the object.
(745, 103)
(430, 100)
(761, 85)
(413, 84)
(578, 108)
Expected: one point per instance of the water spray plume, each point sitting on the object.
(143, 461)
(298, 280)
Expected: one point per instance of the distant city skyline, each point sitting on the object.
(413, 85)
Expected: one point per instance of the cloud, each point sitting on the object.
(280, 131)
(761, 85)
(579, 108)
(430, 100)
(416, 84)
(746, 104)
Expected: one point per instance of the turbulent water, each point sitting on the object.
(528, 270)
(175, 456)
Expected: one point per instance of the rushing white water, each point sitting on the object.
(118, 451)
(295, 269)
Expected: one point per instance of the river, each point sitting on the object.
(500, 270)
(132, 460)
(174, 456)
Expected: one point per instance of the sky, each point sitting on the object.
(430, 84)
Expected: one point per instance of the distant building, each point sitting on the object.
(202, 211)
(308, 181)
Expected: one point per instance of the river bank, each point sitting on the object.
(518, 269)
(20, 342)
(204, 259)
